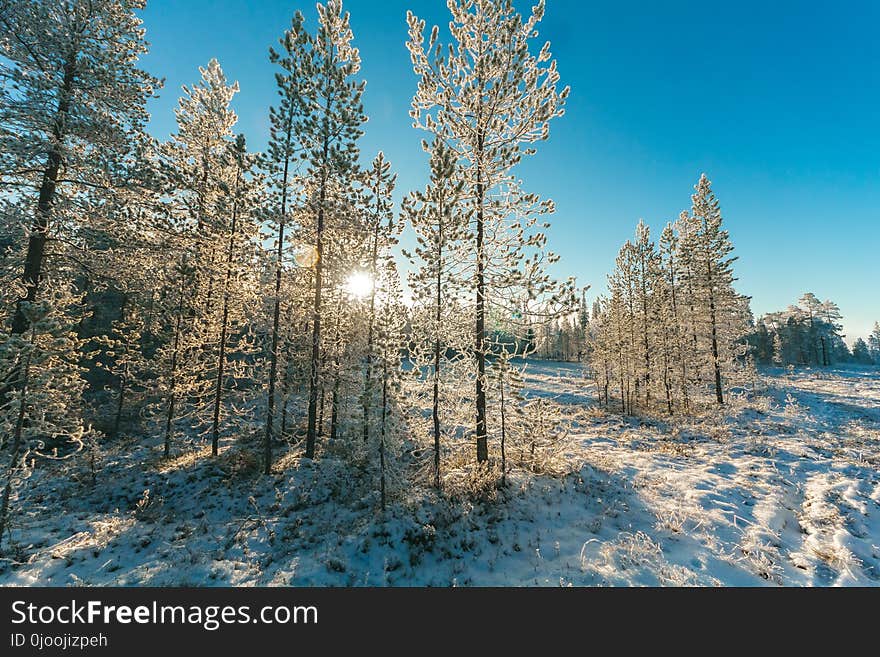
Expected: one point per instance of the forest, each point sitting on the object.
(238, 351)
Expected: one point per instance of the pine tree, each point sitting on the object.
(583, 324)
(348, 287)
(327, 129)
(874, 343)
(811, 304)
(71, 143)
(621, 285)
(293, 351)
(541, 436)
(196, 154)
(205, 167)
(279, 162)
(860, 352)
(508, 382)
(669, 311)
(600, 349)
(438, 217)
(123, 358)
(708, 251)
(72, 111)
(237, 207)
(489, 98)
(829, 330)
(673, 311)
(777, 350)
(379, 186)
(71, 138)
(40, 416)
(389, 342)
(179, 357)
(805, 334)
(646, 275)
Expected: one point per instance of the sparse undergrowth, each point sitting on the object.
(783, 489)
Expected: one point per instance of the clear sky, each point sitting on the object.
(777, 101)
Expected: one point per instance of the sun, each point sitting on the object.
(359, 285)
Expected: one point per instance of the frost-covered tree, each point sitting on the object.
(777, 349)
(673, 311)
(72, 112)
(237, 226)
(874, 343)
(622, 286)
(295, 347)
(860, 352)
(209, 192)
(349, 304)
(336, 346)
(490, 98)
(124, 359)
(179, 358)
(198, 151)
(671, 314)
(811, 304)
(583, 325)
(381, 230)
(508, 384)
(647, 288)
(600, 349)
(805, 334)
(326, 125)
(390, 340)
(71, 116)
(40, 415)
(718, 309)
(280, 161)
(829, 331)
(438, 216)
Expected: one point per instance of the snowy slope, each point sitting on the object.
(784, 490)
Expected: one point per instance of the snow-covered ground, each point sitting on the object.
(784, 489)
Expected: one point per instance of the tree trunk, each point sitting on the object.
(276, 317)
(321, 404)
(675, 321)
(647, 347)
(435, 409)
(224, 322)
(16, 439)
(311, 435)
(119, 405)
(719, 395)
(173, 374)
(480, 328)
(368, 366)
(668, 388)
(384, 430)
(288, 376)
(718, 392)
(39, 229)
(337, 374)
(501, 372)
(620, 362)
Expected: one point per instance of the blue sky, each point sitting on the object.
(776, 101)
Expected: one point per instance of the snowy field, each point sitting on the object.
(785, 490)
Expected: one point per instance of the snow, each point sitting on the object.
(783, 489)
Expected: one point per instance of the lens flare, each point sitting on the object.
(305, 256)
(359, 285)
